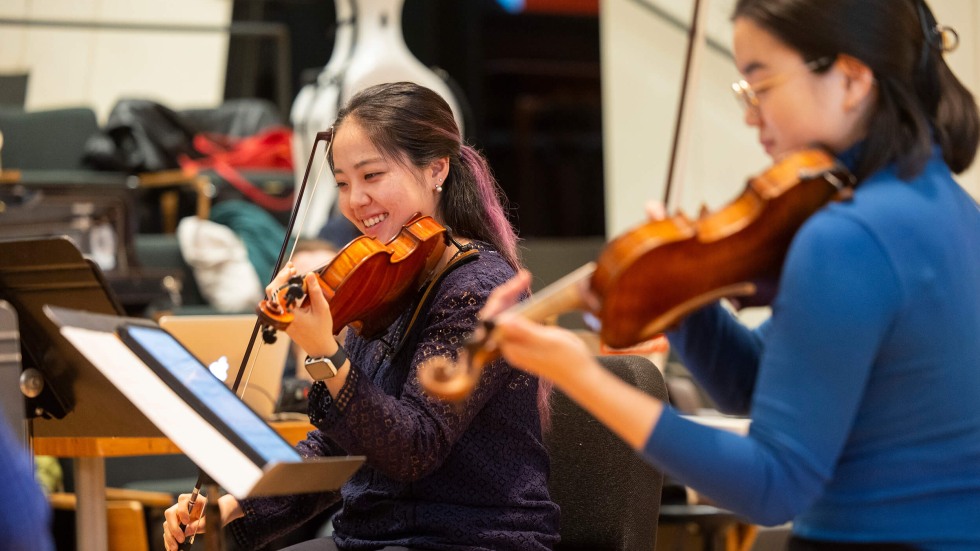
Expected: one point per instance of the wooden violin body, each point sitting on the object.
(654, 275)
(368, 283)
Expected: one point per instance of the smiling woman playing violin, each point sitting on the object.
(863, 387)
(438, 476)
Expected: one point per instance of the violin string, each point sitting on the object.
(316, 182)
(250, 367)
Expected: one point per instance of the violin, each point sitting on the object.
(367, 284)
(651, 277)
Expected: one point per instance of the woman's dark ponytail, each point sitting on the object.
(957, 122)
(951, 108)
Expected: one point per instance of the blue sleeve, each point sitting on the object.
(837, 298)
(25, 515)
(727, 370)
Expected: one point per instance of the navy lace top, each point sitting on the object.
(438, 476)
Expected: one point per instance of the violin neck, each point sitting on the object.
(565, 295)
(443, 379)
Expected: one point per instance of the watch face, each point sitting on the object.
(320, 368)
(323, 367)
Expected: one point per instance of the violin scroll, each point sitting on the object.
(448, 380)
(454, 381)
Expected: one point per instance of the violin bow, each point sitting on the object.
(246, 366)
(678, 152)
(325, 136)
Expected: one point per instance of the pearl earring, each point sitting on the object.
(439, 187)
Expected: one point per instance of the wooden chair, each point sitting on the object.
(125, 516)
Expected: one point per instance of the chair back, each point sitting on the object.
(46, 140)
(609, 496)
(13, 89)
(125, 520)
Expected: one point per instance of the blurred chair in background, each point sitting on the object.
(609, 496)
(13, 89)
(52, 140)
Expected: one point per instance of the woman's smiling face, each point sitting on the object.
(379, 195)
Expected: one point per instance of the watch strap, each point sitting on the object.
(339, 357)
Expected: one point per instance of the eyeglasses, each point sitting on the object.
(747, 94)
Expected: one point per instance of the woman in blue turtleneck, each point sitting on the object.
(864, 385)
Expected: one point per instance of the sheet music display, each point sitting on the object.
(192, 381)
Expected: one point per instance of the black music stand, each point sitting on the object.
(38, 272)
(78, 402)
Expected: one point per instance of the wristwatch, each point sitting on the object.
(325, 367)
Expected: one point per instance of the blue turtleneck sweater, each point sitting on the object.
(864, 385)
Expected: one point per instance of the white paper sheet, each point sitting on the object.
(195, 436)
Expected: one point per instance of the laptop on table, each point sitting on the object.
(219, 342)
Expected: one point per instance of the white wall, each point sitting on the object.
(642, 58)
(92, 66)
